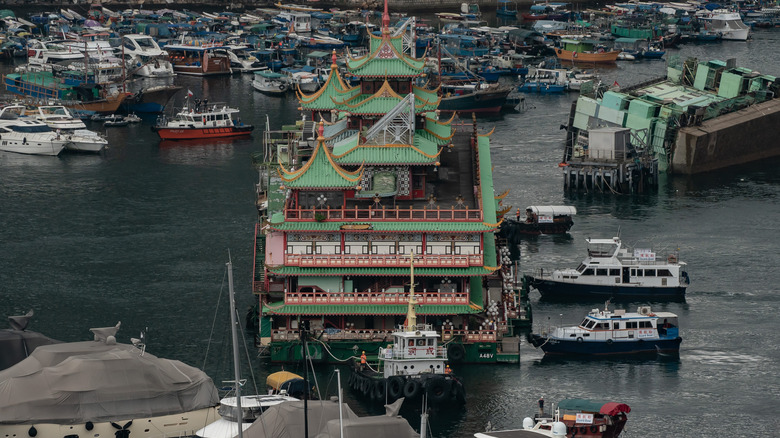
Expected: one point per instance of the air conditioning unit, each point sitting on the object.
(644, 310)
(283, 150)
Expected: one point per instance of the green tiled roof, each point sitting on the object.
(424, 272)
(321, 172)
(424, 152)
(488, 197)
(386, 58)
(367, 309)
(322, 99)
(444, 227)
(438, 129)
(381, 103)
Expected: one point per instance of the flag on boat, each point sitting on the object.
(616, 84)
(189, 93)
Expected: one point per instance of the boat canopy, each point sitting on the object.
(596, 406)
(275, 380)
(552, 210)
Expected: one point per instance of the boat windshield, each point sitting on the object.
(581, 267)
(602, 249)
(31, 129)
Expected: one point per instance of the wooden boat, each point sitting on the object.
(545, 219)
(585, 51)
(199, 60)
(199, 120)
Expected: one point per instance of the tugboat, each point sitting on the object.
(202, 121)
(611, 271)
(605, 332)
(413, 365)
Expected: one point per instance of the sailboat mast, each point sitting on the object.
(236, 363)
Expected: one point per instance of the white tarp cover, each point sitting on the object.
(553, 210)
(285, 420)
(72, 383)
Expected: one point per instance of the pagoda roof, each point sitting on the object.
(404, 272)
(320, 171)
(385, 59)
(424, 151)
(279, 308)
(385, 99)
(333, 88)
(383, 227)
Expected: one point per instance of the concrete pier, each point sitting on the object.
(747, 135)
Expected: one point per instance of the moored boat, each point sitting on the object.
(201, 120)
(585, 51)
(199, 60)
(268, 82)
(540, 219)
(610, 333)
(611, 271)
(26, 135)
(104, 388)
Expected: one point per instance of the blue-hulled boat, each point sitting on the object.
(605, 332)
(506, 8)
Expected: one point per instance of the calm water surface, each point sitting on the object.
(141, 234)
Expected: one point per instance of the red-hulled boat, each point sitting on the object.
(199, 120)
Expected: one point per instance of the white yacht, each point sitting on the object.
(25, 135)
(145, 58)
(41, 53)
(241, 60)
(728, 24)
(59, 119)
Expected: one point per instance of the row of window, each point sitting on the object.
(374, 249)
(616, 325)
(604, 272)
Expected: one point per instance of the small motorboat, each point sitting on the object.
(612, 271)
(606, 332)
(114, 121)
(269, 82)
(132, 118)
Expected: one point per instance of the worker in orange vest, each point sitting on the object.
(447, 370)
(363, 361)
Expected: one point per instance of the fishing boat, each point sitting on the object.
(587, 51)
(540, 219)
(150, 99)
(84, 96)
(612, 271)
(473, 98)
(199, 60)
(545, 81)
(506, 8)
(26, 135)
(413, 365)
(370, 180)
(268, 82)
(201, 120)
(606, 332)
(104, 388)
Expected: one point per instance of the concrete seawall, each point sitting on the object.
(750, 134)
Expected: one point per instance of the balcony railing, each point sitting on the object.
(466, 336)
(382, 261)
(375, 298)
(384, 214)
(470, 336)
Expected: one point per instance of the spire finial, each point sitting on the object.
(386, 20)
(321, 131)
(333, 59)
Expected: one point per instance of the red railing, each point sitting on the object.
(375, 298)
(466, 336)
(382, 261)
(383, 214)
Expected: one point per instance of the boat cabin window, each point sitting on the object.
(663, 273)
(631, 324)
(581, 268)
(601, 271)
(649, 272)
(590, 324)
(638, 273)
(584, 322)
(430, 342)
(588, 271)
(645, 324)
(614, 272)
(615, 325)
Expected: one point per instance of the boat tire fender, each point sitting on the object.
(32, 431)
(579, 339)
(281, 87)
(365, 385)
(380, 390)
(583, 430)
(395, 387)
(412, 388)
(437, 389)
(457, 392)
(609, 341)
(456, 353)
(594, 429)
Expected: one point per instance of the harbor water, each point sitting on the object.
(141, 233)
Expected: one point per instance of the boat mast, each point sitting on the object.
(411, 316)
(236, 366)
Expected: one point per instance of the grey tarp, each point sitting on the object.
(285, 420)
(16, 343)
(76, 382)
